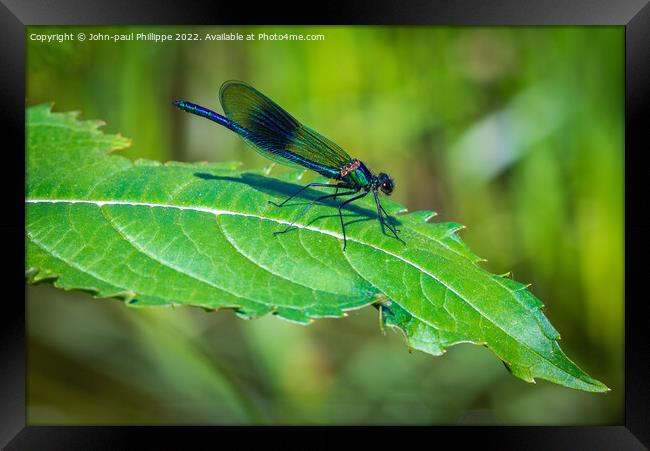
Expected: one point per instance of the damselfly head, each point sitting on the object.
(386, 184)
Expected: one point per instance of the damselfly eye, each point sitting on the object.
(386, 185)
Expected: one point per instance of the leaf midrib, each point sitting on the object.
(218, 212)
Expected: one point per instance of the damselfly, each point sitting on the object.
(278, 136)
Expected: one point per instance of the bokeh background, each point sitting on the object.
(515, 132)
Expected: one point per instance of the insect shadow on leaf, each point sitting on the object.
(275, 187)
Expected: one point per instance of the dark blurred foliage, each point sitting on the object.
(515, 132)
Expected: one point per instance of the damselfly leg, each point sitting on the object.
(387, 216)
(311, 204)
(345, 241)
(385, 223)
(320, 185)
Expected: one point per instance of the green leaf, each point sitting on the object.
(202, 235)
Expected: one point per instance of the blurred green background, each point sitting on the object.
(515, 132)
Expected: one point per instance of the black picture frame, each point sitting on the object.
(634, 15)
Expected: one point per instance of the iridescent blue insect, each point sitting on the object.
(276, 135)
